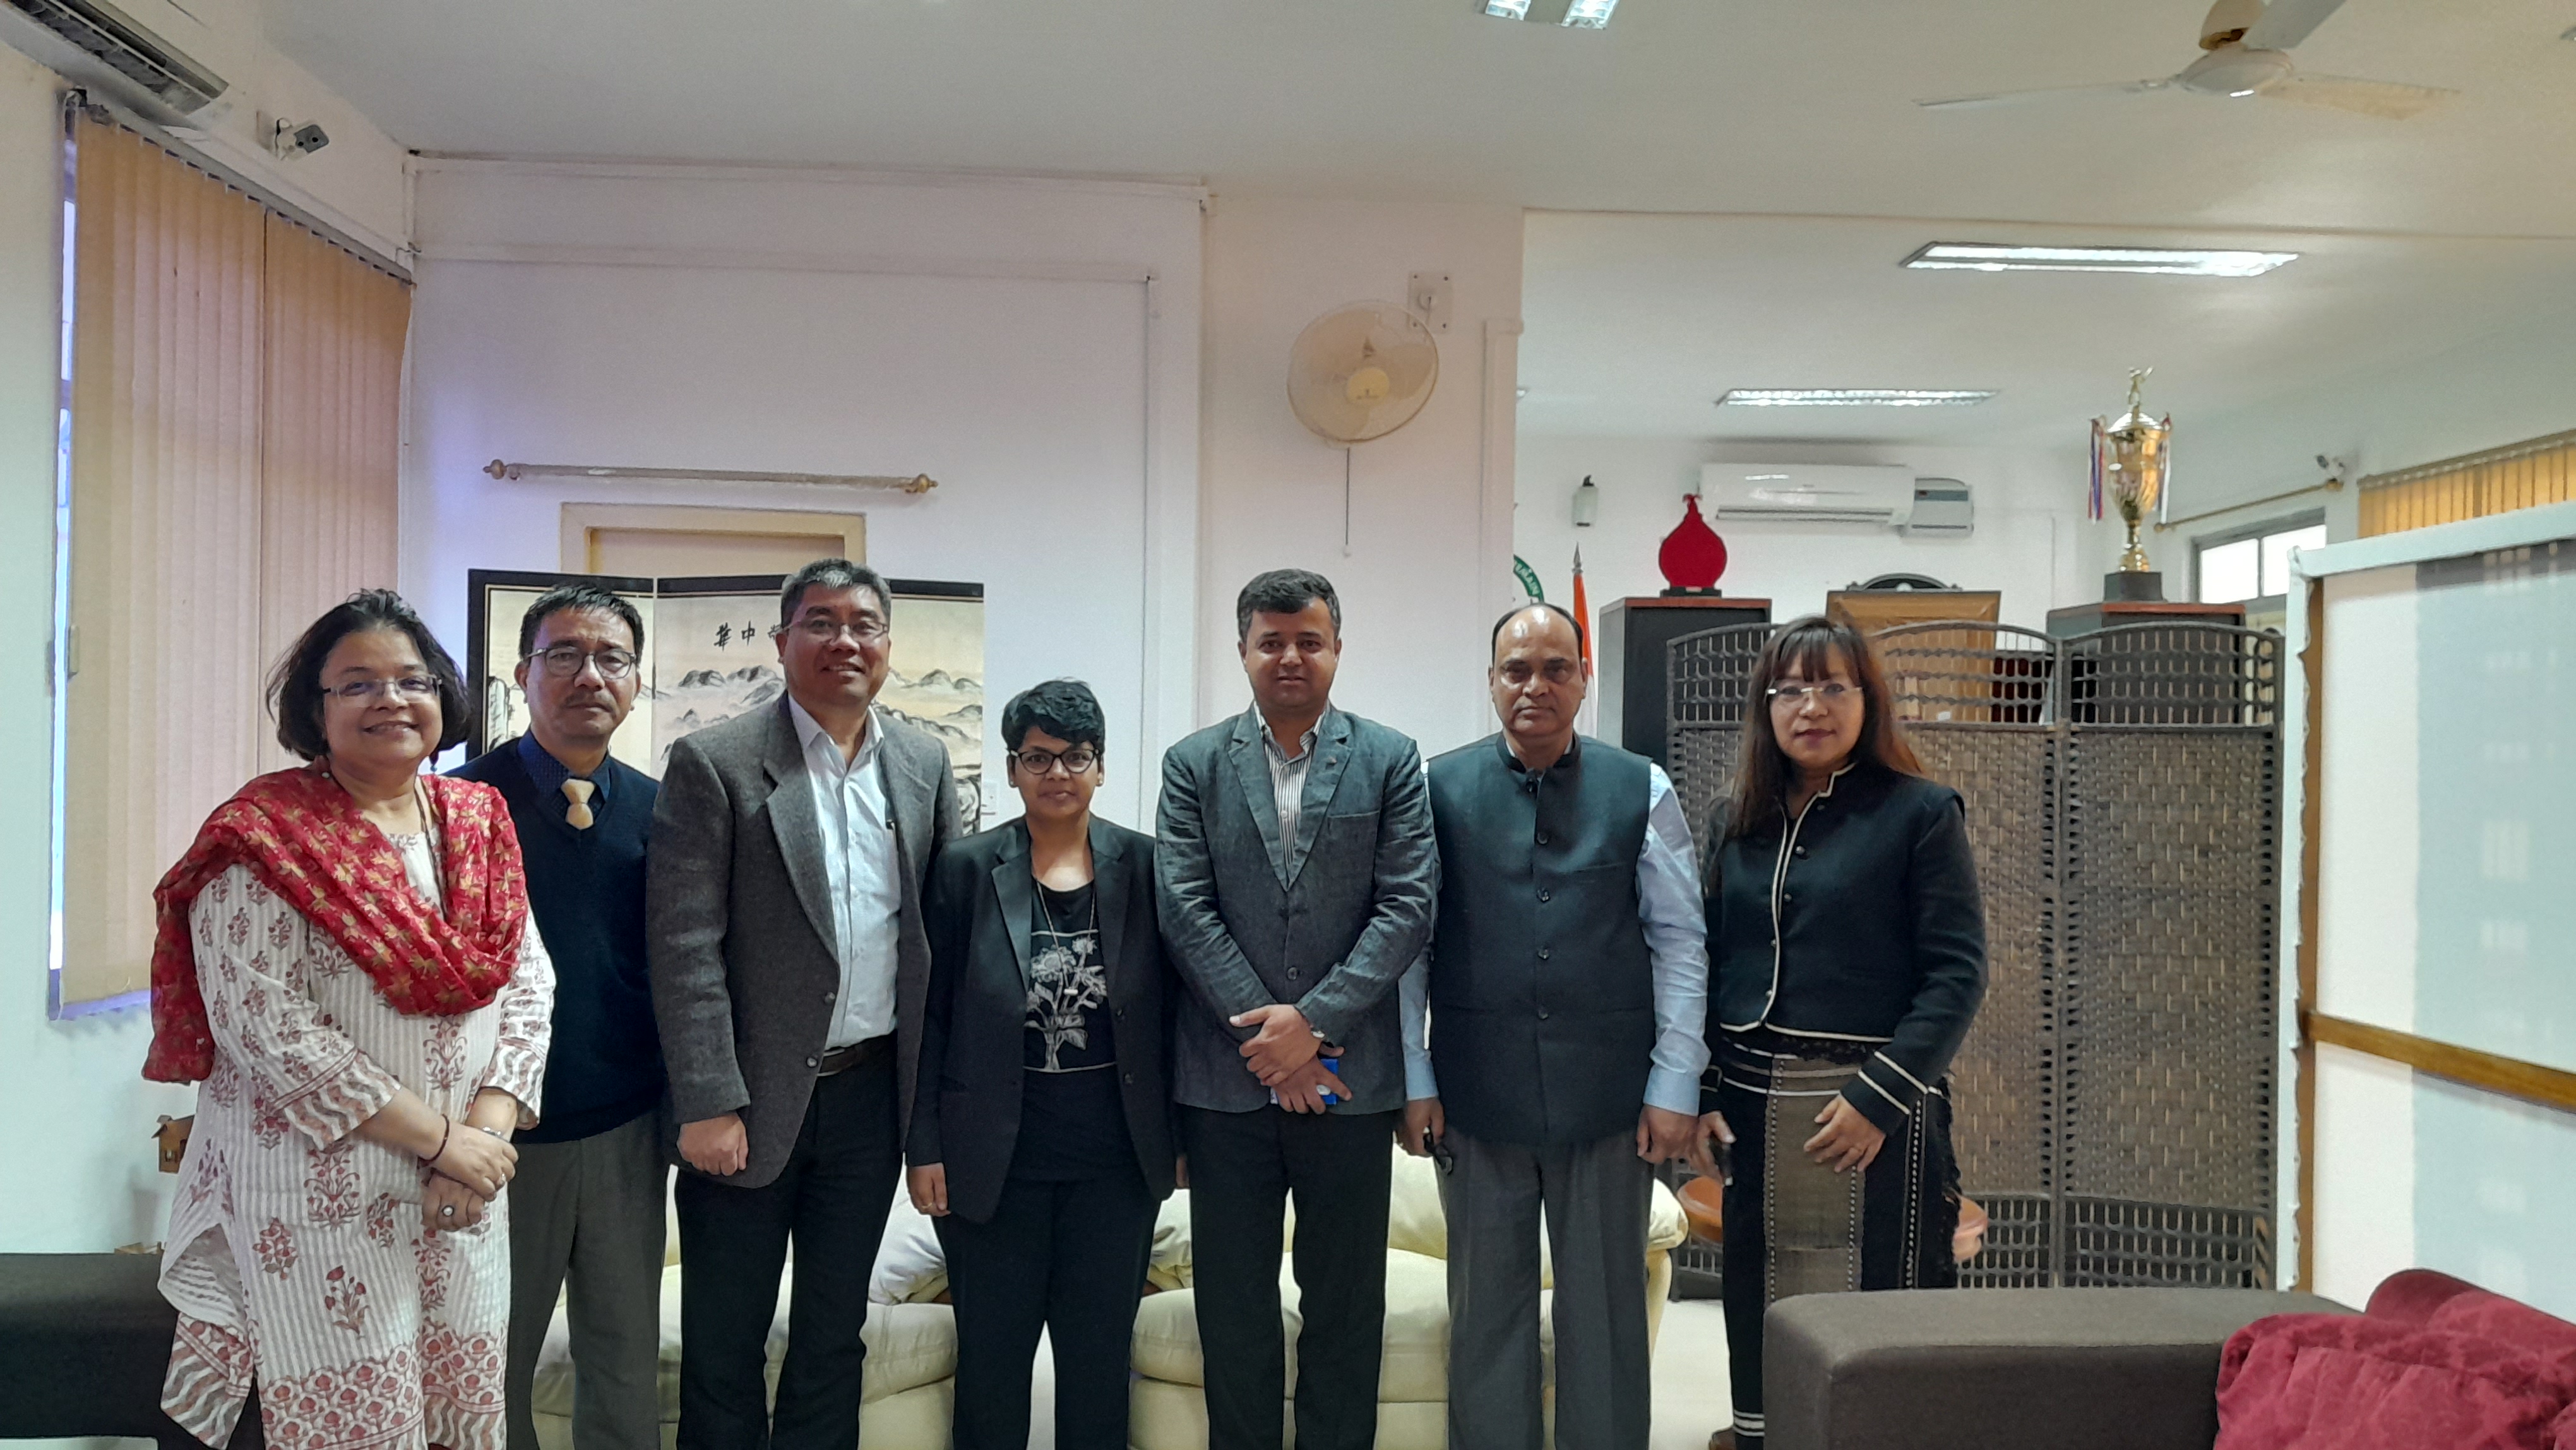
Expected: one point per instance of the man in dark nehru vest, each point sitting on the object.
(586, 1209)
(1566, 980)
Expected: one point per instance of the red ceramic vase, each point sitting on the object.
(1693, 555)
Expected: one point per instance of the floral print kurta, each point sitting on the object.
(296, 1253)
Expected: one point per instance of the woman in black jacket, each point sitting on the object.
(1848, 956)
(1041, 1135)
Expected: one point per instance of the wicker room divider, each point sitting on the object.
(2114, 1103)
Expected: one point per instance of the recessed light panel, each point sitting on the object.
(1508, 9)
(1588, 14)
(2168, 261)
(1854, 397)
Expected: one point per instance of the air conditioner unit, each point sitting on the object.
(1943, 508)
(1820, 493)
(94, 44)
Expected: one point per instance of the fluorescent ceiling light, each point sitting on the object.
(1588, 14)
(1508, 9)
(1854, 397)
(2172, 261)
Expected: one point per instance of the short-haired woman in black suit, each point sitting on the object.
(1041, 1136)
(1848, 955)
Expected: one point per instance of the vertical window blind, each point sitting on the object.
(2524, 475)
(235, 406)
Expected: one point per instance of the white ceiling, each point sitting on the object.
(1636, 324)
(1681, 105)
(1786, 125)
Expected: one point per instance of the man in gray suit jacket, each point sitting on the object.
(789, 971)
(1296, 874)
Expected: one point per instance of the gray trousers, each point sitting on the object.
(587, 1217)
(1597, 1196)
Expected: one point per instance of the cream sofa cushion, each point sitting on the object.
(1415, 1224)
(1414, 1367)
(909, 1346)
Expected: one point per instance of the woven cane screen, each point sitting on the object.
(2113, 1105)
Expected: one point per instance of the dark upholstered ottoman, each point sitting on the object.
(2005, 1369)
(84, 1339)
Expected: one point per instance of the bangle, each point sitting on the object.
(447, 1126)
(495, 1132)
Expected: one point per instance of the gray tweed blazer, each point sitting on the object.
(1327, 921)
(739, 923)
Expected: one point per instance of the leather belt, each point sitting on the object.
(857, 1054)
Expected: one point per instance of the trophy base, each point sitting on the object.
(2133, 586)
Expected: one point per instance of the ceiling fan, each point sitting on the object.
(2248, 45)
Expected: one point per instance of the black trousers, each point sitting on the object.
(1243, 1167)
(831, 1200)
(1910, 1206)
(1064, 1258)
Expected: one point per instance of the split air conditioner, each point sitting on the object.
(1884, 495)
(1809, 492)
(96, 44)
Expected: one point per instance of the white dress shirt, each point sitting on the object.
(1676, 940)
(859, 870)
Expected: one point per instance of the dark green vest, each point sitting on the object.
(1542, 990)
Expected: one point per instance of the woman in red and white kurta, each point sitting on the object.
(347, 963)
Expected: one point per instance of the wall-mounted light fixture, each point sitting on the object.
(1587, 503)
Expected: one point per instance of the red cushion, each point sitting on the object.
(2336, 1382)
(2411, 1295)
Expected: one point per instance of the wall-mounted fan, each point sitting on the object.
(1361, 371)
(2248, 46)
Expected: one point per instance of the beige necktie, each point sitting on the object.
(577, 815)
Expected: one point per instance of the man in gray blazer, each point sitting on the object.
(1296, 875)
(789, 971)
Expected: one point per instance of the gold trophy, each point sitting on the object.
(2131, 455)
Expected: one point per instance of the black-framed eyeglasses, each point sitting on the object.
(1828, 694)
(823, 629)
(1038, 762)
(410, 689)
(563, 661)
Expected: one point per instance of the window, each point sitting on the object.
(2252, 564)
(235, 391)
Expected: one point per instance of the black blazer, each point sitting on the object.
(973, 1043)
(1858, 921)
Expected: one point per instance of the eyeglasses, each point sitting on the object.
(823, 629)
(1829, 694)
(1038, 762)
(410, 689)
(564, 661)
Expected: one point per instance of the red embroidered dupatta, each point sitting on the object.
(302, 837)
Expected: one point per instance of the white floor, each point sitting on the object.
(1691, 1399)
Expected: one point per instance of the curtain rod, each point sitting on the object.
(916, 483)
(2329, 486)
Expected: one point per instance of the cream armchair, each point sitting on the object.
(907, 1393)
(1169, 1408)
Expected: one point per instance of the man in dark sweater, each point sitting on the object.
(587, 1204)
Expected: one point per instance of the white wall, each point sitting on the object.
(1033, 345)
(2029, 538)
(1429, 561)
(73, 1146)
